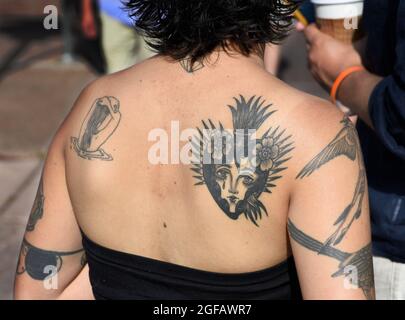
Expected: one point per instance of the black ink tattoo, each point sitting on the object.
(98, 126)
(34, 261)
(346, 143)
(236, 175)
(359, 261)
(83, 260)
(190, 68)
(37, 210)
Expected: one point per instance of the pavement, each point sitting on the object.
(35, 95)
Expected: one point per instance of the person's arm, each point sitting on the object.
(80, 288)
(328, 220)
(52, 260)
(385, 105)
(328, 57)
(355, 92)
(378, 101)
(88, 21)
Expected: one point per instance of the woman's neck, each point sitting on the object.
(221, 57)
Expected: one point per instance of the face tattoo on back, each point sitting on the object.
(237, 167)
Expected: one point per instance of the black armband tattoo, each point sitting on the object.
(36, 260)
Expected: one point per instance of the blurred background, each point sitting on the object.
(42, 71)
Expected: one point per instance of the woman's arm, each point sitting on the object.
(328, 223)
(79, 288)
(52, 260)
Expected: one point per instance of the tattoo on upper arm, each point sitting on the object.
(99, 124)
(346, 143)
(236, 166)
(360, 261)
(35, 261)
(37, 210)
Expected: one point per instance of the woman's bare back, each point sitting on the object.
(117, 169)
(134, 191)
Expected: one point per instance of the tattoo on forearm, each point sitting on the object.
(360, 261)
(346, 143)
(37, 210)
(190, 68)
(34, 261)
(236, 175)
(98, 126)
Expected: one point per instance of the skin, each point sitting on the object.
(163, 212)
(88, 21)
(327, 58)
(233, 190)
(272, 55)
(53, 237)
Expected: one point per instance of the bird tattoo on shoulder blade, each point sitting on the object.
(98, 126)
(346, 143)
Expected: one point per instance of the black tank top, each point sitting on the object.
(123, 276)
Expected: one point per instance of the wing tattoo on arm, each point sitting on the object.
(346, 143)
(359, 261)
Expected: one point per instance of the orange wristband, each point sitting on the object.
(342, 76)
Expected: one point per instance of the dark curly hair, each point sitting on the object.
(192, 29)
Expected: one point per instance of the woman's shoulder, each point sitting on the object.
(311, 121)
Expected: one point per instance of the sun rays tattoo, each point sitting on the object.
(189, 67)
(236, 166)
(346, 143)
(100, 123)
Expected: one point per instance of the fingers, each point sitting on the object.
(300, 26)
(312, 33)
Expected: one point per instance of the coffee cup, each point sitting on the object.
(339, 18)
